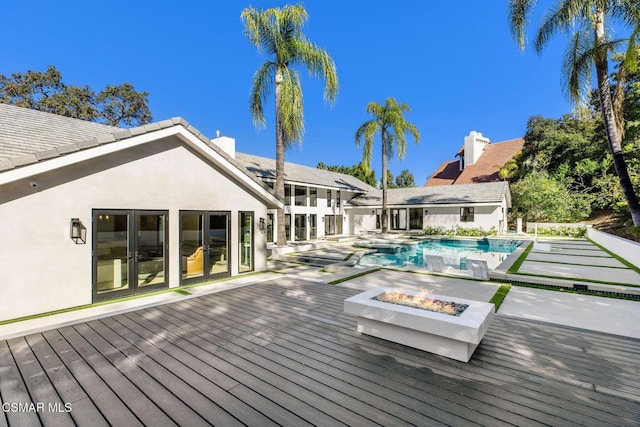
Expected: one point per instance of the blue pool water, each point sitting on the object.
(454, 252)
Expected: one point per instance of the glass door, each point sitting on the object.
(300, 227)
(111, 253)
(218, 248)
(150, 252)
(129, 252)
(204, 246)
(313, 226)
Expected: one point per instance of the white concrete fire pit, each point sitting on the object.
(450, 335)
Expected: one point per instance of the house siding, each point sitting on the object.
(43, 269)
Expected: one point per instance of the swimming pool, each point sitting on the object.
(453, 251)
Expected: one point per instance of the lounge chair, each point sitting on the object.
(434, 263)
(478, 268)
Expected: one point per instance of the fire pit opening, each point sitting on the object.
(424, 303)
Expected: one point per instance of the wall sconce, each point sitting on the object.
(344, 218)
(78, 231)
(373, 212)
(263, 225)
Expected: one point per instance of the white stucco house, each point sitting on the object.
(482, 205)
(90, 212)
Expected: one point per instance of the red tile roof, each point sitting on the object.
(484, 170)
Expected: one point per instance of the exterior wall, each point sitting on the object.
(43, 269)
(364, 220)
(624, 248)
(485, 217)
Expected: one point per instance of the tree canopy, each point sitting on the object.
(389, 121)
(589, 25)
(573, 152)
(356, 170)
(278, 32)
(46, 91)
(405, 179)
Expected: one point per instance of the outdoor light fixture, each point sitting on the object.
(263, 225)
(78, 231)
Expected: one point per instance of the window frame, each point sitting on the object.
(467, 214)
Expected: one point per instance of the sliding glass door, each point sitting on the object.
(204, 246)
(129, 252)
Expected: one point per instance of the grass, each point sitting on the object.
(180, 291)
(500, 295)
(557, 288)
(349, 256)
(345, 279)
(516, 265)
(619, 258)
(578, 279)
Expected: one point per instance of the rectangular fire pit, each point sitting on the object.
(453, 336)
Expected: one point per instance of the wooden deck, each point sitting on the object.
(283, 353)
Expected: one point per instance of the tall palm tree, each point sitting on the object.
(390, 122)
(278, 32)
(590, 47)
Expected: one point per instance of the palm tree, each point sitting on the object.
(589, 48)
(390, 122)
(278, 32)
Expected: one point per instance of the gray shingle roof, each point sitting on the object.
(446, 194)
(263, 167)
(26, 132)
(30, 136)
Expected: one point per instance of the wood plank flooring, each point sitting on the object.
(284, 353)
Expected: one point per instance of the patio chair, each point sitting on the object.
(434, 263)
(478, 268)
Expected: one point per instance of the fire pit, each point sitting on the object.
(451, 327)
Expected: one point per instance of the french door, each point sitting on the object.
(204, 246)
(129, 252)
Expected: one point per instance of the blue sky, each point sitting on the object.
(453, 62)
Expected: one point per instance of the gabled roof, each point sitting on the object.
(483, 193)
(484, 170)
(263, 167)
(33, 142)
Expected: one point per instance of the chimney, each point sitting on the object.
(228, 145)
(474, 146)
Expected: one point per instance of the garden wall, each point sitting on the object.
(622, 247)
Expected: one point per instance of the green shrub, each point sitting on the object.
(432, 231)
(563, 231)
(459, 231)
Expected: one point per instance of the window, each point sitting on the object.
(269, 228)
(246, 242)
(287, 226)
(415, 218)
(313, 196)
(287, 194)
(301, 227)
(301, 196)
(466, 215)
(271, 184)
(313, 233)
(333, 224)
(328, 198)
(338, 198)
(398, 219)
(378, 218)
(204, 245)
